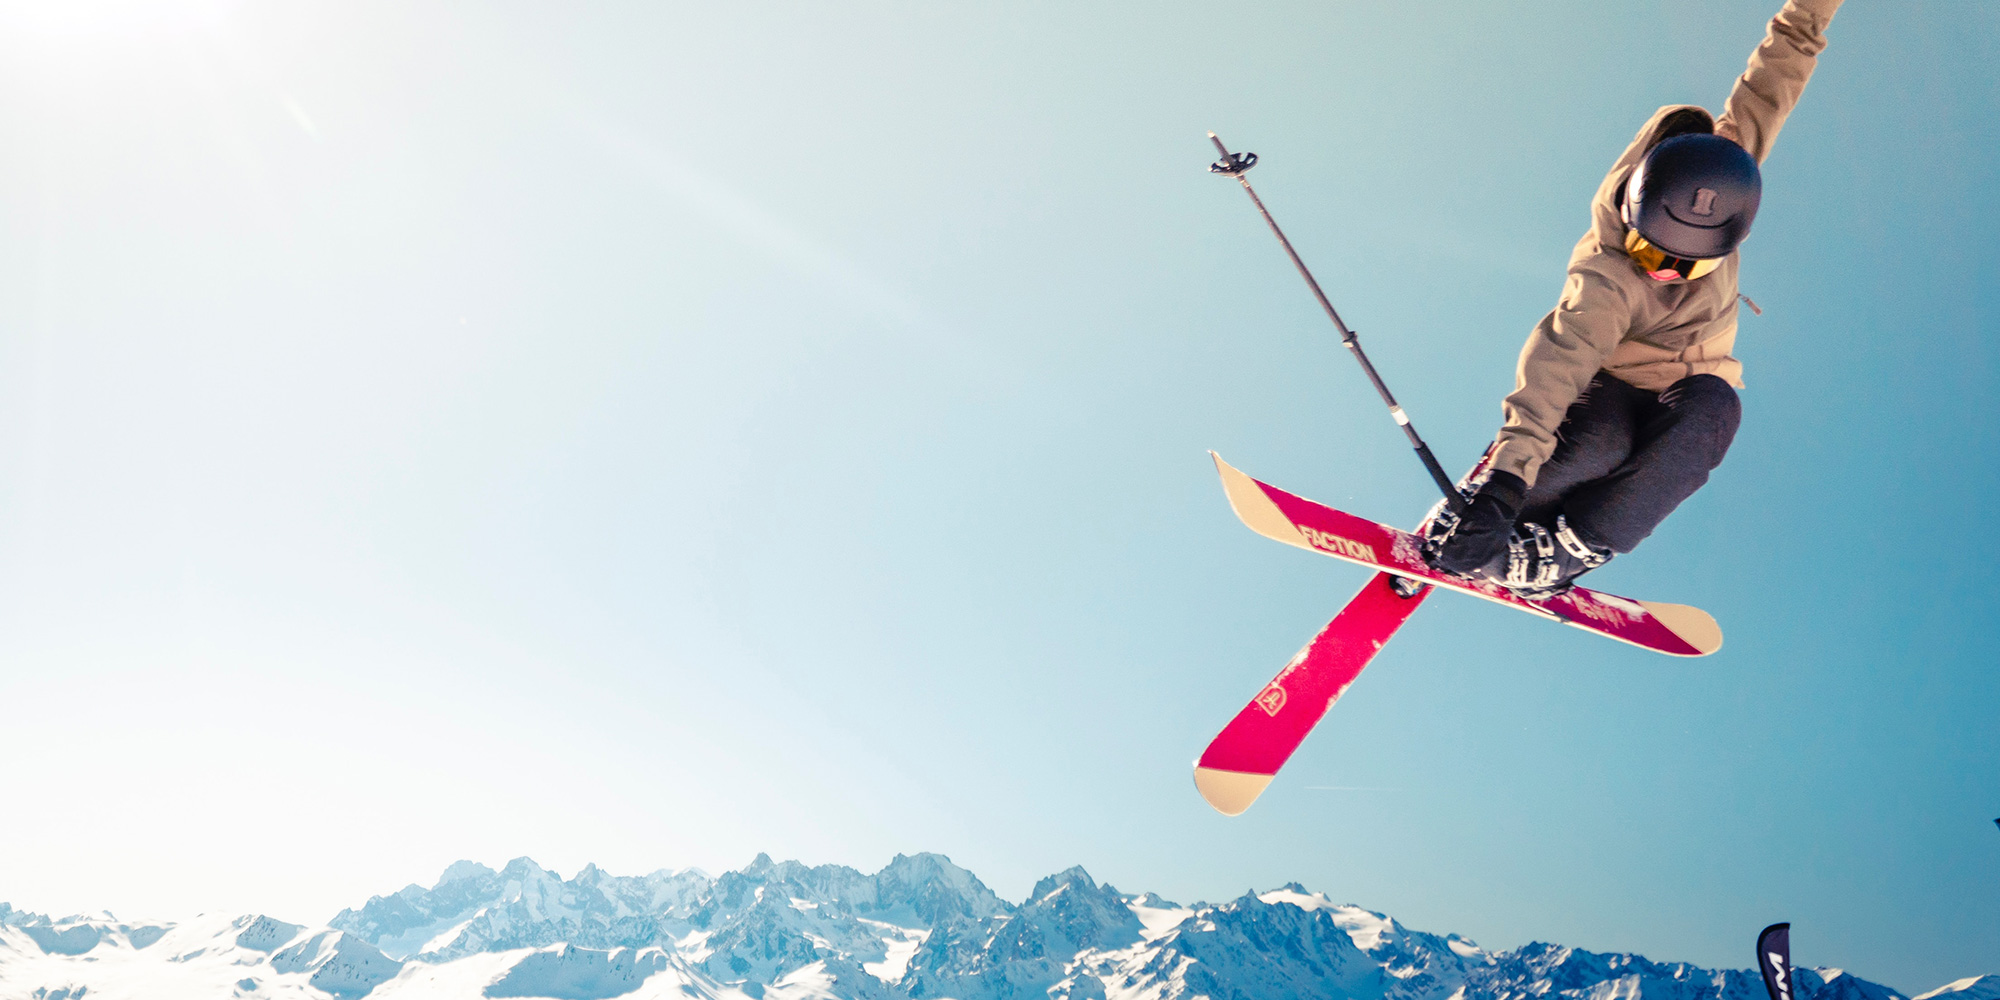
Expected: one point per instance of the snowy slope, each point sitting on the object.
(1975, 988)
(920, 929)
(205, 957)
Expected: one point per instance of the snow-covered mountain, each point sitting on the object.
(43, 959)
(922, 928)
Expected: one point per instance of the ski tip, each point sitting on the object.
(1229, 792)
(1254, 507)
(1695, 627)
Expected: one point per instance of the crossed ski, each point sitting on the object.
(1242, 759)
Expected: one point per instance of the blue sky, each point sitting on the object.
(652, 434)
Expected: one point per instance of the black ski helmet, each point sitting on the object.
(1694, 195)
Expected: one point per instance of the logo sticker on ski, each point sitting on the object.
(1346, 547)
(1272, 700)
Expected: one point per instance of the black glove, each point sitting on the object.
(1484, 526)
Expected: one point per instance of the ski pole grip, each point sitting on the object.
(1453, 500)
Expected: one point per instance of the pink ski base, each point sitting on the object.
(1674, 629)
(1243, 759)
(1248, 752)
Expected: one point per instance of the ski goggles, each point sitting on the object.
(1662, 265)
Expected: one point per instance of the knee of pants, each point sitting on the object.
(1598, 426)
(1709, 407)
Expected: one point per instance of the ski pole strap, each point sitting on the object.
(1235, 165)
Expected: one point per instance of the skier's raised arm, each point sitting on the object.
(1770, 87)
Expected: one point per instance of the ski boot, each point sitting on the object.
(1540, 564)
(1441, 520)
(1437, 527)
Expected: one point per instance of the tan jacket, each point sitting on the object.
(1614, 318)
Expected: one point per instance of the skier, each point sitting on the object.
(1625, 395)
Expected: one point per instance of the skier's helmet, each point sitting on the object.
(1693, 197)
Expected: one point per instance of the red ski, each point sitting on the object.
(1247, 754)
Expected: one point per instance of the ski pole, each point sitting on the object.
(1236, 165)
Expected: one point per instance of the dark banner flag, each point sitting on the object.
(1774, 959)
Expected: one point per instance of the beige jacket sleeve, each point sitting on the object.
(1770, 87)
(1565, 352)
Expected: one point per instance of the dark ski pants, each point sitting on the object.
(1625, 457)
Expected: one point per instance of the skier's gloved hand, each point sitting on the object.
(1483, 529)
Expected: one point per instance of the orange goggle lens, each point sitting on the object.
(1651, 258)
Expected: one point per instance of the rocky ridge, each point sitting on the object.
(921, 928)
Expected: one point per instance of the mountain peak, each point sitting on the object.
(459, 871)
(930, 890)
(1074, 875)
(921, 859)
(524, 866)
(265, 934)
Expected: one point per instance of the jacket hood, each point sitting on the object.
(1674, 119)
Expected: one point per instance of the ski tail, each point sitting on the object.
(1691, 625)
(1230, 792)
(1242, 759)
